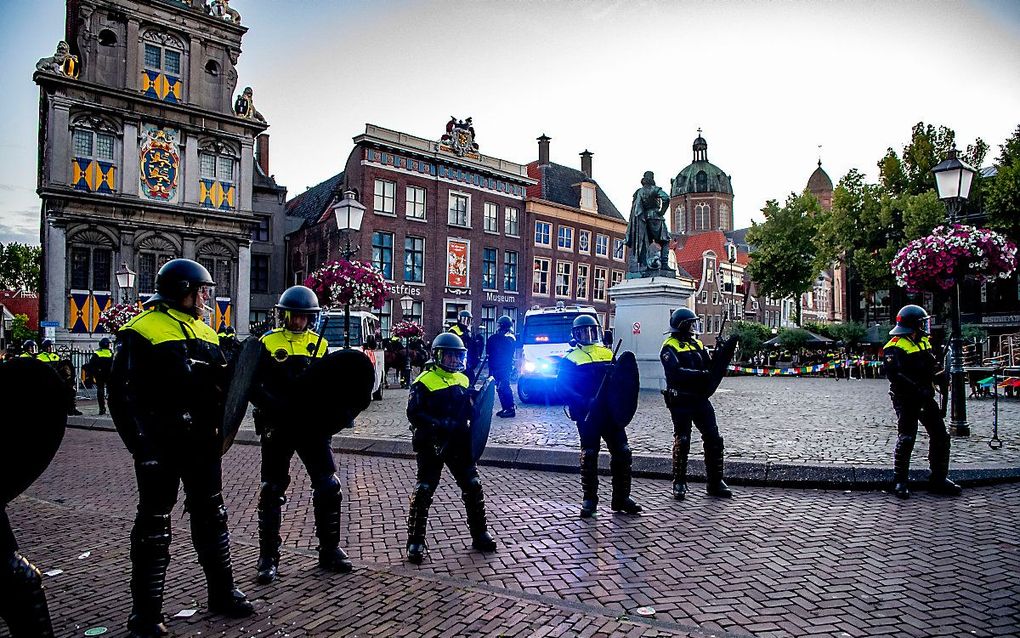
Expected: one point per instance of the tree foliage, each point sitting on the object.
(19, 267)
(752, 336)
(20, 330)
(793, 339)
(850, 333)
(1002, 195)
(783, 263)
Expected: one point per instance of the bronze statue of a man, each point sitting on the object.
(647, 234)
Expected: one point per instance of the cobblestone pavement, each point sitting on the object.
(770, 562)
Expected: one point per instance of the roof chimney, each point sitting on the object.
(543, 149)
(262, 153)
(586, 162)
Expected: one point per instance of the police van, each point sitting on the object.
(544, 339)
(364, 329)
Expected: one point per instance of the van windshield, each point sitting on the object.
(334, 332)
(540, 329)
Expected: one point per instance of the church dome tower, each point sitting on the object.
(701, 197)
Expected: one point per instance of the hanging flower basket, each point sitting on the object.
(111, 319)
(949, 253)
(408, 329)
(342, 282)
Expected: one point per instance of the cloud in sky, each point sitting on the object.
(632, 81)
(19, 225)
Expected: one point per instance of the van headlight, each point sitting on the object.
(529, 366)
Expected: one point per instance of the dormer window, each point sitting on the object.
(588, 201)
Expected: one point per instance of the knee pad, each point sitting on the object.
(905, 440)
(327, 486)
(422, 494)
(473, 485)
(207, 508)
(272, 494)
(152, 529)
(24, 575)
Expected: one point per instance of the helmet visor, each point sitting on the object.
(586, 335)
(924, 325)
(452, 360)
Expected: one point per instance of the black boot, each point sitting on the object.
(938, 460)
(619, 465)
(270, 517)
(474, 505)
(23, 603)
(326, 504)
(681, 450)
(715, 486)
(150, 557)
(901, 466)
(417, 522)
(589, 482)
(212, 544)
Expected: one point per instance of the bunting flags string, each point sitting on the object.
(795, 371)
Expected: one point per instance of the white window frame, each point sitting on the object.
(490, 214)
(517, 270)
(449, 209)
(619, 248)
(495, 269)
(535, 282)
(580, 242)
(565, 238)
(411, 203)
(601, 245)
(604, 278)
(583, 275)
(548, 233)
(380, 197)
(615, 277)
(511, 221)
(588, 197)
(564, 269)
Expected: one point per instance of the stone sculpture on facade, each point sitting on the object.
(221, 9)
(61, 62)
(647, 233)
(244, 106)
(459, 137)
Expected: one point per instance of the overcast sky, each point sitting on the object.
(630, 80)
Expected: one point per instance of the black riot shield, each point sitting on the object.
(30, 446)
(618, 397)
(338, 387)
(721, 359)
(243, 369)
(481, 417)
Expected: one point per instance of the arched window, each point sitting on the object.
(701, 182)
(702, 216)
(219, 261)
(164, 65)
(90, 262)
(681, 219)
(724, 217)
(218, 175)
(151, 254)
(95, 153)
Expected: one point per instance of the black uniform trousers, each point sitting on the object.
(160, 469)
(503, 390)
(278, 448)
(591, 433)
(457, 458)
(22, 601)
(909, 411)
(687, 410)
(101, 395)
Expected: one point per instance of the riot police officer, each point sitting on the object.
(29, 349)
(228, 342)
(579, 378)
(47, 355)
(439, 407)
(500, 347)
(687, 366)
(99, 370)
(912, 368)
(287, 352)
(471, 341)
(166, 396)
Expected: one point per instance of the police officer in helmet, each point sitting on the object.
(167, 392)
(439, 407)
(29, 348)
(579, 378)
(287, 352)
(471, 341)
(500, 347)
(98, 369)
(912, 369)
(687, 366)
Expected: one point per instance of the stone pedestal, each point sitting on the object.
(643, 307)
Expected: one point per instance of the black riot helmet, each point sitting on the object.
(585, 330)
(47, 344)
(104, 343)
(464, 317)
(683, 320)
(911, 318)
(30, 346)
(505, 323)
(177, 279)
(449, 353)
(298, 300)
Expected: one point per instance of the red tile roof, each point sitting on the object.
(22, 303)
(690, 255)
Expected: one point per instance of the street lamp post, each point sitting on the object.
(731, 256)
(406, 303)
(953, 179)
(125, 281)
(349, 213)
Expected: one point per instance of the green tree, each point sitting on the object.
(850, 333)
(19, 266)
(20, 330)
(793, 339)
(751, 335)
(1002, 195)
(783, 263)
(820, 328)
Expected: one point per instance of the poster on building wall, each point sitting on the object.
(457, 263)
(159, 163)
